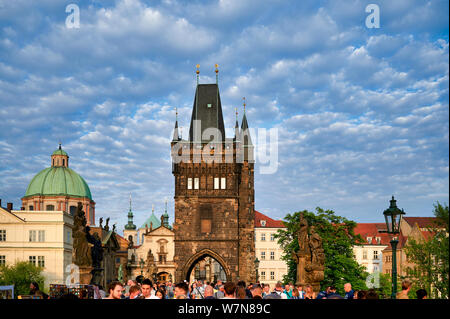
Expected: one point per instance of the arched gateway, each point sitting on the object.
(214, 192)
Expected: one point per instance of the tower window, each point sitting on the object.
(64, 162)
(72, 210)
(50, 207)
(223, 183)
(206, 219)
(216, 183)
(31, 207)
(196, 183)
(189, 184)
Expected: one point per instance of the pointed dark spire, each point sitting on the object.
(130, 225)
(175, 132)
(245, 132)
(236, 126)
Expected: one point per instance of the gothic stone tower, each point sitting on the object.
(214, 191)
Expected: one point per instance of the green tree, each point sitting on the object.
(431, 257)
(21, 275)
(338, 240)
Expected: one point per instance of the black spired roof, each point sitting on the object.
(207, 109)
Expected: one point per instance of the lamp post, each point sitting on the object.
(257, 268)
(393, 216)
(141, 263)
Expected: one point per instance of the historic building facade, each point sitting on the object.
(43, 238)
(59, 188)
(271, 267)
(214, 192)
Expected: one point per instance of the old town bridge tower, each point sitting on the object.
(214, 191)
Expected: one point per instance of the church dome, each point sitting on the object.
(58, 181)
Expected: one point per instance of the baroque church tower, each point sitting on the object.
(214, 191)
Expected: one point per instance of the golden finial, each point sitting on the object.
(176, 113)
(217, 70)
(198, 66)
(244, 103)
(235, 109)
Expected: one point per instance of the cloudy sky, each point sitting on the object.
(361, 113)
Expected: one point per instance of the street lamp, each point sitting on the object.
(141, 263)
(393, 216)
(257, 268)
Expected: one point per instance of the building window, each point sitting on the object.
(378, 239)
(206, 225)
(263, 237)
(263, 223)
(369, 240)
(31, 207)
(50, 207)
(64, 162)
(375, 268)
(223, 183)
(263, 275)
(2, 260)
(32, 235)
(375, 254)
(41, 261)
(263, 255)
(2, 234)
(32, 260)
(272, 255)
(196, 183)
(216, 183)
(68, 236)
(272, 275)
(189, 183)
(272, 237)
(206, 218)
(41, 237)
(364, 254)
(72, 210)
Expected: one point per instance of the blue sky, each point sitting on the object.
(361, 113)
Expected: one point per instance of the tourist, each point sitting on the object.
(169, 288)
(421, 294)
(332, 294)
(230, 289)
(209, 292)
(181, 290)
(196, 291)
(126, 290)
(349, 293)
(406, 286)
(147, 290)
(372, 294)
(266, 290)
(220, 293)
(160, 294)
(34, 290)
(115, 290)
(301, 293)
(277, 293)
(323, 294)
(101, 292)
(360, 294)
(134, 292)
(288, 290)
(295, 294)
(256, 291)
(309, 293)
(240, 293)
(248, 294)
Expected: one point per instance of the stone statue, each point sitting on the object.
(146, 229)
(81, 254)
(97, 250)
(310, 257)
(114, 228)
(106, 226)
(151, 226)
(130, 242)
(150, 264)
(101, 222)
(162, 220)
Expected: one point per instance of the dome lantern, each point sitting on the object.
(60, 158)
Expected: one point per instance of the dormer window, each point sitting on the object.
(378, 239)
(263, 223)
(369, 239)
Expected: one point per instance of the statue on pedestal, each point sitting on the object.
(310, 257)
(81, 253)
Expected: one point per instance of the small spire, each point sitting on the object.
(217, 74)
(244, 103)
(175, 132)
(153, 208)
(130, 202)
(165, 210)
(198, 71)
(59, 144)
(176, 114)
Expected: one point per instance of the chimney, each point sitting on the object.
(9, 206)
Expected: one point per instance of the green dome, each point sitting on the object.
(58, 181)
(152, 219)
(59, 152)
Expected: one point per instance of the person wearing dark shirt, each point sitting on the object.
(349, 293)
(332, 294)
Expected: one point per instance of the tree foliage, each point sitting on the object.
(338, 240)
(21, 275)
(431, 257)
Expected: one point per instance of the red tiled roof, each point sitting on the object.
(372, 230)
(422, 222)
(270, 223)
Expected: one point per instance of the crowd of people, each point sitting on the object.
(145, 289)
